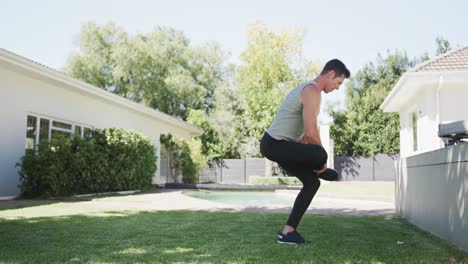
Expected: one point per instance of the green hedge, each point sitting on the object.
(109, 160)
(183, 159)
(274, 180)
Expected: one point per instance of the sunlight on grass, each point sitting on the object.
(371, 262)
(133, 251)
(206, 237)
(107, 214)
(178, 250)
(33, 221)
(67, 209)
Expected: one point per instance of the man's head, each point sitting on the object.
(335, 72)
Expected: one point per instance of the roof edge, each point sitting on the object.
(396, 89)
(441, 56)
(59, 76)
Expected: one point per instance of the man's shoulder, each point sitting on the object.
(311, 88)
(307, 82)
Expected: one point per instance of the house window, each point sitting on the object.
(60, 129)
(62, 125)
(78, 131)
(41, 128)
(31, 132)
(58, 133)
(414, 118)
(87, 132)
(44, 129)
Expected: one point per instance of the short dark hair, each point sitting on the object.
(337, 66)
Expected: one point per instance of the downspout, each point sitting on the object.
(438, 108)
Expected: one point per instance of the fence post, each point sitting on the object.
(268, 167)
(221, 171)
(245, 170)
(215, 172)
(373, 168)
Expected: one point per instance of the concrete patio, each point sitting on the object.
(164, 200)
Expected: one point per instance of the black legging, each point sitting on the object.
(299, 160)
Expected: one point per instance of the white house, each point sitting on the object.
(37, 102)
(432, 93)
(431, 185)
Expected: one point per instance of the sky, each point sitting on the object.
(354, 31)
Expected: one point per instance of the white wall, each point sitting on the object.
(428, 127)
(424, 105)
(432, 192)
(454, 106)
(406, 134)
(450, 107)
(22, 95)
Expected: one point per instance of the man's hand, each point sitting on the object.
(303, 140)
(321, 170)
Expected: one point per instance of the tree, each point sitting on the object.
(270, 66)
(364, 129)
(159, 69)
(443, 45)
(229, 106)
(184, 158)
(213, 147)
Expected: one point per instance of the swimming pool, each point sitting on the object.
(246, 198)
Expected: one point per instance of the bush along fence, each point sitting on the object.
(222, 171)
(109, 160)
(261, 171)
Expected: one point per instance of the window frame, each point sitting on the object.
(51, 120)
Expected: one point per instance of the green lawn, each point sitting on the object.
(217, 237)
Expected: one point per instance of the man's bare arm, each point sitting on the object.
(310, 96)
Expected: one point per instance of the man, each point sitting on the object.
(293, 141)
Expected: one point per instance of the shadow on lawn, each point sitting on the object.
(194, 236)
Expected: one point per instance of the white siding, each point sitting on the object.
(454, 106)
(22, 95)
(424, 105)
(406, 134)
(427, 118)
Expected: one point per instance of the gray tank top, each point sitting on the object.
(288, 123)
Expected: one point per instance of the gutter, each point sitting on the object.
(394, 91)
(420, 79)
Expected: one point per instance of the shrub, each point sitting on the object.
(109, 160)
(49, 171)
(184, 158)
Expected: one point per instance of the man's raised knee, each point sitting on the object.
(323, 155)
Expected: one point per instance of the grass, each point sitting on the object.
(216, 237)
